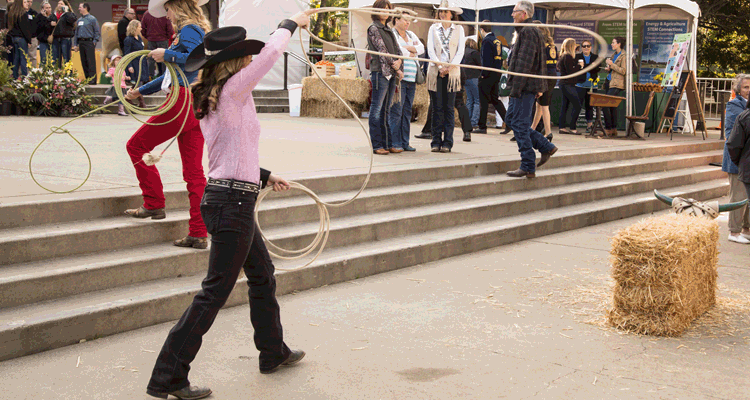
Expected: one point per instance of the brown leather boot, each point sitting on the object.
(194, 242)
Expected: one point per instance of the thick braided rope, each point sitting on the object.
(132, 109)
(321, 238)
(694, 207)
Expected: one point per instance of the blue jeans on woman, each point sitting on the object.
(61, 50)
(399, 119)
(44, 49)
(610, 113)
(472, 100)
(236, 245)
(443, 114)
(21, 47)
(382, 93)
(571, 99)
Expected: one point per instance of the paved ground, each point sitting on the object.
(523, 321)
(294, 147)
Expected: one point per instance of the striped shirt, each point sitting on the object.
(410, 66)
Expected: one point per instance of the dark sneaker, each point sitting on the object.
(480, 130)
(295, 357)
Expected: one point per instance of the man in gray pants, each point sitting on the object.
(158, 32)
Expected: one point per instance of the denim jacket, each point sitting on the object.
(190, 37)
(733, 110)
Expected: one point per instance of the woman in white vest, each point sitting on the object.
(445, 42)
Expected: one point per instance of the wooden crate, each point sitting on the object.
(325, 70)
(347, 72)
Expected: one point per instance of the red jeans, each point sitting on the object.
(190, 142)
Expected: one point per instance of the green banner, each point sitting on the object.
(608, 30)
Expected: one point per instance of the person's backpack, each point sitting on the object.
(504, 90)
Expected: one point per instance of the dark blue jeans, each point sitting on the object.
(472, 100)
(610, 113)
(44, 49)
(229, 218)
(443, 114)
(571, 99)
(399, 120)
(382, 93)
(527, 139)
(20, 48)
(61, 50)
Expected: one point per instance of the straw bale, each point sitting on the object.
(665, 273)
(351, 90)
(329, 109)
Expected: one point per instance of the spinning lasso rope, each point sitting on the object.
(148, 158)
(321, 238)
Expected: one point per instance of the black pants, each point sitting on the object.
(610, 113)
(463, 114)
(489, 87)
(87, 48)
(229, 218)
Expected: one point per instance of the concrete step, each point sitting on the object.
(271, 109)
(271, 101)
(73, 207)
(295, 210)
(53, 278)
(32, 328)
(40, 242)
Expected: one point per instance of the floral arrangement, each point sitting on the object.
(3, 48)
(6, 76)
(50, 90)
(594, 84)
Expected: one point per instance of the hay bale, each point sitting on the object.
(665, 274)
(319, 102)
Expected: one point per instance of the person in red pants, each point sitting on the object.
(192, 26)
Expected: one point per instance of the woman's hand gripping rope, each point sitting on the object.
(321, 237)
(133, 110)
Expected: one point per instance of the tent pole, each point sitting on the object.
(629, 63)
(476, 20)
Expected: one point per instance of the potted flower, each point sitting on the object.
(6, 76)
(594, 84)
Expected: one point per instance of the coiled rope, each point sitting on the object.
(321, 238)
(133, 110)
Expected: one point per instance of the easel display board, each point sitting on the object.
(677, 57)
(686, 85)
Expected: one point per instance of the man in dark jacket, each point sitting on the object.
(158, 32)
(738, 147)
(489, 82)
(527, 57)
(122, 27)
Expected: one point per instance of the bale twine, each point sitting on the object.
(665, 274)
(318, 101)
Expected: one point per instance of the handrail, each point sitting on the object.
(286, 62)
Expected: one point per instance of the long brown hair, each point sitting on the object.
(568, 47)
(207, 88)
(187, 12)
(546, 33)
(15, 13)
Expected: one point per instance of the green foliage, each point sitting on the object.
(723, 42)
(327, 26)
(6, 75)
(50, 90)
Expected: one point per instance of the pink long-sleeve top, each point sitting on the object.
(232, 131)
(111, 74)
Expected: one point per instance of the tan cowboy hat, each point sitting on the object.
(444, 5)
(157, 10)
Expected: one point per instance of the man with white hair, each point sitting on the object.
(739, 221)
(122, 27)
(527, 57)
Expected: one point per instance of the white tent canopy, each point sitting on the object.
(559, 10)
(260, 18)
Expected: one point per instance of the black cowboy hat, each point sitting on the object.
(221, 45)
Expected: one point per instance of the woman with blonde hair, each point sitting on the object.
(191, 26)
(134, 42)
(571, 98)
(232, 66)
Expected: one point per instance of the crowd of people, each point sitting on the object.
(450, 79)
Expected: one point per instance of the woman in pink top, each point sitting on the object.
(232, 67)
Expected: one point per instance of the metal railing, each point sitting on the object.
(286, 65)
(714, 94)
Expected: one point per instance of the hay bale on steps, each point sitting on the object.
(665, 274)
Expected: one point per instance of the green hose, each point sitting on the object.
(133, 110)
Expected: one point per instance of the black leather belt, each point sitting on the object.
(85, 39)
(233, 184)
